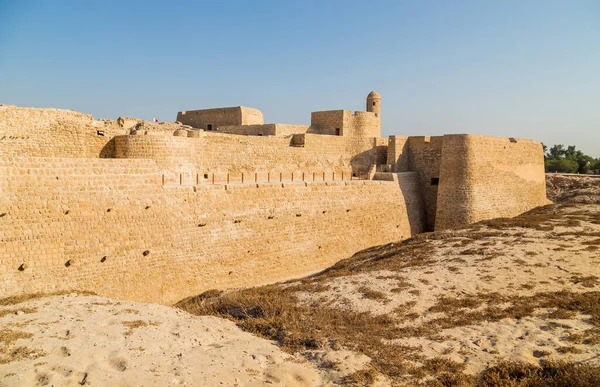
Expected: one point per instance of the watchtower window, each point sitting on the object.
(337, 131)
(209, 127)
(374, 103)
(435, 181)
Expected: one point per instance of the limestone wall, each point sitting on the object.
(110, 227)
(327, 122)
(218, 152)
(350, 124)
(55, 132)
(484, 177)
(229, 116)
(424, 157)
(264, 130)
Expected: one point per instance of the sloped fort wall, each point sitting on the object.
(132, 213)
(109, 226)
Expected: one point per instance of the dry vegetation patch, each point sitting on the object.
(490, 250)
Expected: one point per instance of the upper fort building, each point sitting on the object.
(250, 121)
(158, 212)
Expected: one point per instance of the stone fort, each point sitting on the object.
(219, 199)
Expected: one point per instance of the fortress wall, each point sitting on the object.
(250, 130)
(326, 122)
(424, 157)
(287, 129)
(103, 215)
(222, 153)
(365, 124)
(251, 116)
(228, 116)
(397, 154)
(54, 132)
(484, 177)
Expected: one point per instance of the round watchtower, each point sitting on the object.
(374, 103)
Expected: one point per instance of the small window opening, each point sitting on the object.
(374, 103)
(206, 175)
(260, 134)
(435, 181)
(337, 131)
(209, 127)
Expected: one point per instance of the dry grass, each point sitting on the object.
(549, 374)
(8, 353)
(14, 300)
(274, 311)
(371, 294)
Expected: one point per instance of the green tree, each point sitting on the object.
(556, 152)
(561, 165)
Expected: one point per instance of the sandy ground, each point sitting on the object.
(521, 262)
(89, 340)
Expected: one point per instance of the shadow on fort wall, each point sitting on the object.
(108, 151)
(362, 162)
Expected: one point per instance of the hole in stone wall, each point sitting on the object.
(100, 132)
(109, 210)
(69, 262)
(103, 259)
(435, 181)
(201, 224)
(23, 267)
(298, 215)
(67, 212)
(348, 210)
(206, 175)
(324, 212)
(209, 127)
(270, 217)
(512, 139)
(146, 252)
(337, 131)
(237, 221)
(147, 207)
(2, 215)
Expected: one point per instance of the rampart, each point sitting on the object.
(484, 177)
(157, 212)
(109, 226)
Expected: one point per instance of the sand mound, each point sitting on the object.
(73, 340)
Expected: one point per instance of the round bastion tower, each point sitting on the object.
(374, 103)
(373, 127)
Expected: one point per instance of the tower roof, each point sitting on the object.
(374, 94)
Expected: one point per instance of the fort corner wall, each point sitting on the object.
(484, 177)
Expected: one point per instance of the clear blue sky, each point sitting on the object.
(510, 68)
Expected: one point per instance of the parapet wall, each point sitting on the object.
(229, 116)
(219, 152)
(264, 130)
(109, 226)
(55, 132)
(484, 177)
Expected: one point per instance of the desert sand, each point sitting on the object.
(89, 340)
